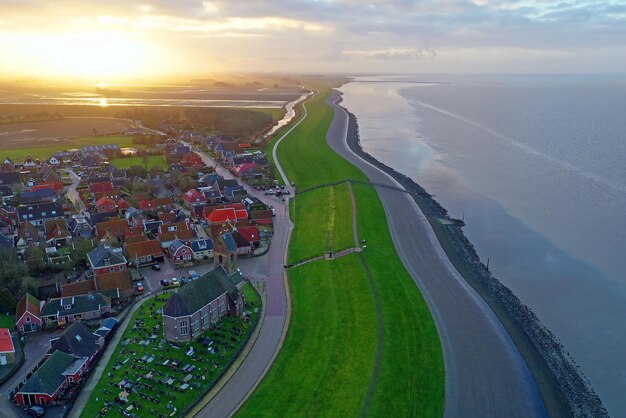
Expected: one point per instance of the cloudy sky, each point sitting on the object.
(126, 39)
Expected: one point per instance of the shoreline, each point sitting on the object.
(563, 388)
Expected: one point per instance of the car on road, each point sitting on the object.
(270, 192)
(156, 267)
(175, 281)
(165, 283)
(139, 287)
(184, 280)
(35, 411)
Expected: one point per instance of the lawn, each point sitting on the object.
(361, 339)
(158, 369)
(152, 161)
(276, 113)
(7, 321)
(323, 224)
(20, 154)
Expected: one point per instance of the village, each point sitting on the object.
(96, 239)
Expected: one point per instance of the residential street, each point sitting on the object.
(485, 373)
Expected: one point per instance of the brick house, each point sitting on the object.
(202, 248)
(105, 204)
(105, 259)
(38, 213)
(193, 198)
(61, 311)
(144, 252)
(200, 304)
(179, 252)
(28, 314)
(57, 233)
(48, 382)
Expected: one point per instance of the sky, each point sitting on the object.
(118, 39)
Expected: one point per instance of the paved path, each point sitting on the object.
(485, 374)
(277, 310)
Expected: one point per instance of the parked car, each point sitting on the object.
(139, 287)
(156, 267)
(184, 280)
(35, 411)
(175, 281)
(165, 283)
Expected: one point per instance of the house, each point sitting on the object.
(202, 248)
(7, 243)
(262, 217)
(115, 230)
(151, 226)
(144, 252)
(57, 233)
(55, 185)
(193, 197)
(106, 326)
(192, 160)
(105, 259)
(7, 348)
(89, 162)
(115, 285)
(107, 149)
(250, 234)
(221, 216)
(6, 192)
(77, 340)
(10, 178)
(97, 218)
(81, 287)
(134, 217)
(179, 252)
(37, 196)
(145, 205)
(105, 204)
(200, 304)
(61, 311)
(80, 226)
(27, 236)
(101, 186)
(246, 170)
(170, 232)
(38, 213)
(48, 382)
(243, 245)
(54, 161)
(123, 206)
(29, 162)
(28, 314)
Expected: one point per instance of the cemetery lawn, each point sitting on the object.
(158, 369)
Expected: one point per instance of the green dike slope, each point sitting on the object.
(361, 339)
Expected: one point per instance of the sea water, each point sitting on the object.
(536, 166)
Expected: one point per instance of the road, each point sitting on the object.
(71, 191)
(485, 373)
(273, 326)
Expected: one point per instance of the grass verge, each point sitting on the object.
(358, 344)
(151, 161)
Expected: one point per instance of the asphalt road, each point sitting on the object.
(485, 374)
(268, 269)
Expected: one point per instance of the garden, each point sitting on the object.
(150, 376)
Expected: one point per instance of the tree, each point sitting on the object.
(11, 274)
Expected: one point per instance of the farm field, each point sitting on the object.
(158, 371)
(40, 133)
(41, 149)
(152, 161)
(361, 339)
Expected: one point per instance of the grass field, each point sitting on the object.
(153, 396)
(19, 154)
(152, 161)
(361, 339)
(275, 113)
(7, 321)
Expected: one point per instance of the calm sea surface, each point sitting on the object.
(537, 167)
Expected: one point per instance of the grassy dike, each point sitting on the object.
(361, 339)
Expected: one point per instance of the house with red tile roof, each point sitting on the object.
(28, 314)
(105, 204)
(115, 228)
(221, 216)
(192, 160)
(144, 252)
(101, 186)
(249, 233)
(179, 252)
(55, 186)
(193, 197)
(147, 205)
(122, 206)
(170, 232)
(262, 217)
(57, 233)
(7, 348)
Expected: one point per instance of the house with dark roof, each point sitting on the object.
(38, 213)
(10, 178)
(200, 304)
(202, 249)
(48, 382)
(80, 226)
(105, 259)
(37, 196)
(61, 311)
(28, 314)
(243, 245)
(78, 341)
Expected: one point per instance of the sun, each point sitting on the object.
(105, 54)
